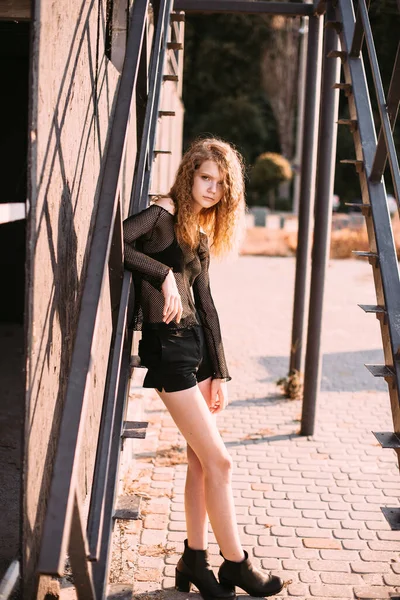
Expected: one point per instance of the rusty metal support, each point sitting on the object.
(307, 188)
(78, 551)
(59, 514)
(323, 217)
(288, 9)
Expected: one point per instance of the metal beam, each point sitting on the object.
(393, 99)
(307, 188)
(96, 510)
(101, 567)
(139, 194)
(77, 550)
(322, 227)
(358, 35)
(61, 498)
(289, 9)
(381, 101)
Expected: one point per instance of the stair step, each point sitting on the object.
(170, 78)
(352, 123)
(128, 508)
(166, 113)
(365, 208)
(392, 516)
(336, 25)
(347, 88)
(175, 46)
(119, 591)
(135, 359)
(387, 439)
(177, 17)
(373, 258)
(134, 429)
(162, 152)
(359, 165)
(379, 311)
(380, 371)
(337, 54)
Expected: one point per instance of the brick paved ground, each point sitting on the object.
(308, 509)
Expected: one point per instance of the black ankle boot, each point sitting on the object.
(249, 578)
(193, 567)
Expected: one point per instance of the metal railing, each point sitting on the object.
(371, 155)
(388, 109)
(64, 528)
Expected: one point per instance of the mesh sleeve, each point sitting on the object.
(208, 314)
(134, 228)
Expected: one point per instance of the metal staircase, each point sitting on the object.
(372, 152)
(65, 529)
(89, 547)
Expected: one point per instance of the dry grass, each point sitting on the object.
(292, 385)
(168, 457)
(175, 455)
(157, 550)
(258, 435)
(260, 241)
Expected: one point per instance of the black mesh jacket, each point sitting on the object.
(151, 250)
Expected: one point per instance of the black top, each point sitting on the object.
(151, 250)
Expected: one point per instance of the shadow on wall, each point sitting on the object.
(65, 292)
(341, 371)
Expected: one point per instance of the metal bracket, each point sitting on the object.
(379, 311)
(359, 165)
(373, 258)
(352, 123)
(387, 439)
(345, 87)
(128, 508)
(365, 208)
(134, 429)
(392, 516)
(380, 371)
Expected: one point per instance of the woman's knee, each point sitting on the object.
(194, 463)
(220, 466)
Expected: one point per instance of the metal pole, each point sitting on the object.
(322, 229)
(300, 113)
(308, 167)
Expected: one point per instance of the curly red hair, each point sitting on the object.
(221, 221)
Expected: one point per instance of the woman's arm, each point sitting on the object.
(208, 314)
(135, 227)
(160, 276)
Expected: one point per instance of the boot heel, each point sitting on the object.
(182, 582)
(227, 585)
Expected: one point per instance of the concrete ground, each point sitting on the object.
(308, 508)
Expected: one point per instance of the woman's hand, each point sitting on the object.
(219, 395)
(172, 299)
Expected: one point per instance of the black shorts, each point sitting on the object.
(176, 359)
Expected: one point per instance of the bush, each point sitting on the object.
(270, 170)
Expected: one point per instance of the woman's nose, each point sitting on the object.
(212, 186)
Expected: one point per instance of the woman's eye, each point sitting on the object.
(205, 177)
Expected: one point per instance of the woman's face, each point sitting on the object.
(208, 188)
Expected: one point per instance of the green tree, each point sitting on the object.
(270, 170)
(222, 88)
(224, 96)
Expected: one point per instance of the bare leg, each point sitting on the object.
(195, 504)
(193, 418)
(195, 500)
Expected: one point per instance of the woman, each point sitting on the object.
(166, 247)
